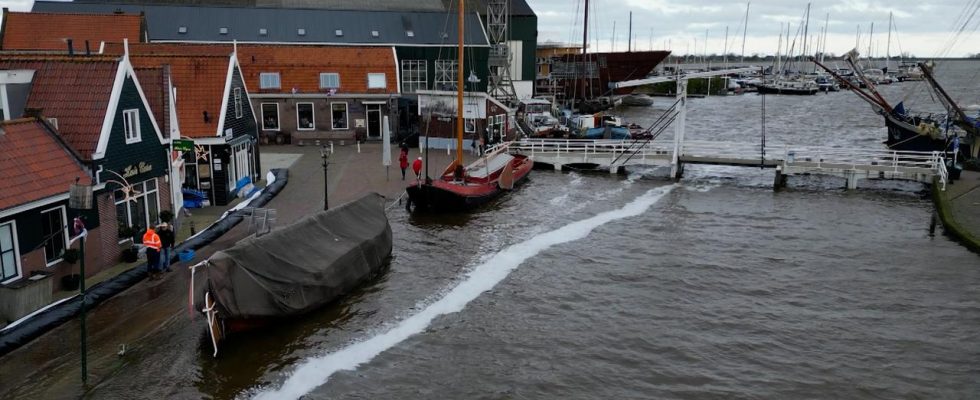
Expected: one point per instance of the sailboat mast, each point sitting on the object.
(725, 55)
(806, 30)
(871, 39)
(459, 87)
(585, 32)
(745, 28)
(888, 48)
(629, 38)
(823, 46)
(613, 46)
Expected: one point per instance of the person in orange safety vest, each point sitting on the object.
(152, 242)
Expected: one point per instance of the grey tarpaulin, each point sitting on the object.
(302, 266)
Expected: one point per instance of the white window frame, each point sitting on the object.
(278, 121)
(327, 75)
(415, 75)
(446, 73)
(313, 115)
(131, 126)
(346, 116)
(269, 75)
(467, 123)
(64, 233)
(13, 234)
(141, 189)
(238, 103)
(375, 75)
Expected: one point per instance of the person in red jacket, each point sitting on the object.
(403, 160)
(153, 245)
(417, 167)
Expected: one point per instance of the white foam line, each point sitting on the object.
(315, 371)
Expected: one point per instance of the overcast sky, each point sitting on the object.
(925, 28)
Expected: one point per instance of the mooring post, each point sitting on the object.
(779, 181)
(676, 169)
(851, 177)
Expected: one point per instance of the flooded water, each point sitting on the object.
(597, 286)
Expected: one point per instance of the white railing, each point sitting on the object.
(941, 171)
(588, 148)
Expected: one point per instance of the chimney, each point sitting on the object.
(71, 50)
(88, 50)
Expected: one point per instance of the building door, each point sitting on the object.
(374, 121)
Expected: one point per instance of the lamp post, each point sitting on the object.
(80, 198)
(326, 191)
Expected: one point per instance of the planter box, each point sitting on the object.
(25, 296)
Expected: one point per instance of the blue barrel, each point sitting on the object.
(186, 255)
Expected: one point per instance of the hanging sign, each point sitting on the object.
(183, 145)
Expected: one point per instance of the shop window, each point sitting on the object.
(338, 116)
(55, 231)
(140, 210)
(9, 257)
(131, 124)
(469, 125)
(304, 116)
(270, 116)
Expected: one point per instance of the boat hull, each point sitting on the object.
(902, 136)
(766, 89)
(442, 195)
(580, 83)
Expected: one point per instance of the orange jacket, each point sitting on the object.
(152, 240)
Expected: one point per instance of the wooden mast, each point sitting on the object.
(459, 89)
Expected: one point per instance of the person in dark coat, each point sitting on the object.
(167, 238)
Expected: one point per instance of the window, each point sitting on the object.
(223, 31)
(376, 81)
(329, 80)
(375, 34)
(414, 76)
(269, 80)
(55, 231)
(304, 116)
(238, 103)
(140, 210)
(270, 116)
(263, 32)
(339, 32)
(182, 29)
(469, 125)
(9, 256)
(338, 116)
(131, 124)
(410, 33)
(301, 32)
(445, 75)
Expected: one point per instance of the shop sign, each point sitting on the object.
(133, 170)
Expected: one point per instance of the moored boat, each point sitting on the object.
(294, 270)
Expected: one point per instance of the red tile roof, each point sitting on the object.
(152, 80)
(299, 66)
(49, 31)
(34, 164)
(75, 90)
(200, 83)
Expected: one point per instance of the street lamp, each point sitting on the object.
(80, 198)
(323, 156)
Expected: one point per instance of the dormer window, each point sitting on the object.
(375, 34)
(182, 29)
(339, 32)
(222, 30)
(263, 32)
(410, 33)
(301, 32)
(269, 80)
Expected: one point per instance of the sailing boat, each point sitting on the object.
(460, 187)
